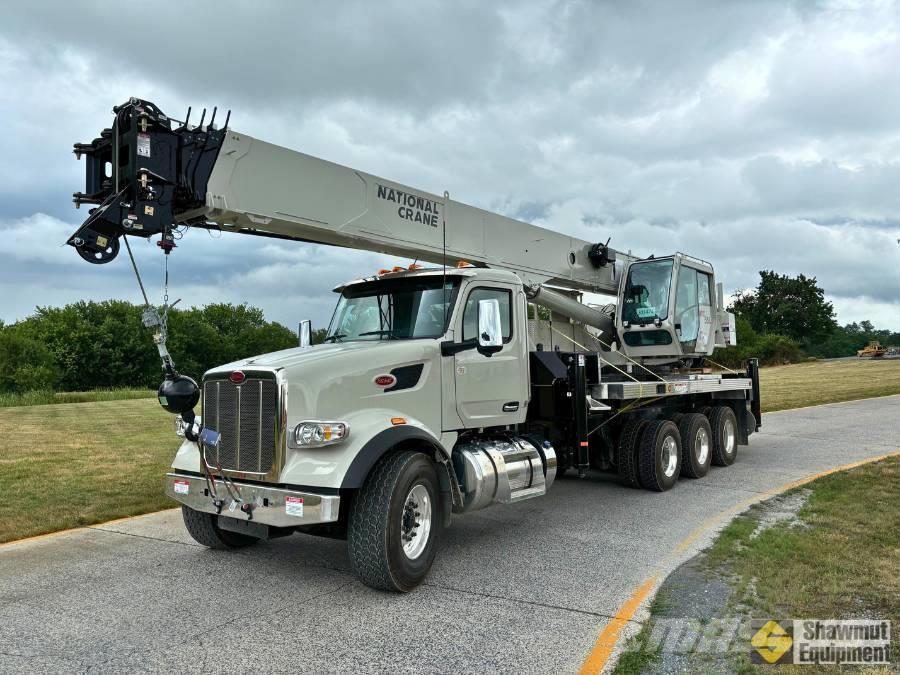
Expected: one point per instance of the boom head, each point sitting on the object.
(142, 172)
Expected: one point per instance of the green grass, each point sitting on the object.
(75, 464)
(47, 397)
(803, 384)
(639, 654)
(842, 563)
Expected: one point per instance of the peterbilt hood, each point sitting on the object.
(298, 356)
(334, 381)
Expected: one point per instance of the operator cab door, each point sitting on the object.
(693, 321)
(492, 388)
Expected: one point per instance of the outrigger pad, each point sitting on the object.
(142, 173)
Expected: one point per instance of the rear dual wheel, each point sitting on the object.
(627, 452)
(696, 445)
(659, 455)
(724, 428)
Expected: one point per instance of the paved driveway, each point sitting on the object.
(522, 588)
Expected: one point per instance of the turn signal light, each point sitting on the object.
(398, 420)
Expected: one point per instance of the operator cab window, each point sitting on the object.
(647, 291)
(470, 314)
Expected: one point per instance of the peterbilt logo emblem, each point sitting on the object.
(237, 377)
(385, 380)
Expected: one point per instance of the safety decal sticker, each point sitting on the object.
(181, 487)
(293, 506)
(143, 145)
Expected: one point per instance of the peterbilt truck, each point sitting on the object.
(476, 376)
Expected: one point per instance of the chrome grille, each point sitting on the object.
(246, 416)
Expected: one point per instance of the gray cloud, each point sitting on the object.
(755, 134)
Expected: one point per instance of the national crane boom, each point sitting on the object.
(246, 185)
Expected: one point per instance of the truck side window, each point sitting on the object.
(470, 314)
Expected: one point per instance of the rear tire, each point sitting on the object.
(660, 455)
(724, 428)
(395, 523)
(204, 529)
(696, 445)
(627, 452)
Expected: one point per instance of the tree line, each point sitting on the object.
(786, 319)
(90, 345)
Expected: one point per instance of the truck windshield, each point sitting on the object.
(647, 291)
(394, 309)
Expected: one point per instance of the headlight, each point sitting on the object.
(314, 434)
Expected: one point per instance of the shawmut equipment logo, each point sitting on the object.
(821, 641)
(772, 642)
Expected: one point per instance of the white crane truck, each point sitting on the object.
(437, 390)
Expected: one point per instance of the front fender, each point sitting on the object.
(346, 464)
(377, 446)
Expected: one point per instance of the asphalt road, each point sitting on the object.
(522, 588)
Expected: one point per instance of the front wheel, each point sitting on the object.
(204, 529)
(394, 523)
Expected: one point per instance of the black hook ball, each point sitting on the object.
(178, 394)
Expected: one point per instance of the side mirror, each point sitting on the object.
(305, 333)
(490, 328)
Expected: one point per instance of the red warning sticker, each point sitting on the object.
(293, 506)
(181, 487)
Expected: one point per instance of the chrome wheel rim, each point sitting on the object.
(415, 521)
(669, 456)
(701, 446)
(729, 437)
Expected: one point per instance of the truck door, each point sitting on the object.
(492, 389)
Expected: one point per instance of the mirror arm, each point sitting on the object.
(449, 347)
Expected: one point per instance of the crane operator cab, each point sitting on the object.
(672, 304)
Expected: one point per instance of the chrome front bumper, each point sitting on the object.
(271, 506)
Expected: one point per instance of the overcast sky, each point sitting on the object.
(757, 135)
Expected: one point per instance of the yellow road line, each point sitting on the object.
(71, 530)
(609, 636)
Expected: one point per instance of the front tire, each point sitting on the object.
(724, 427)
(660, 455)
(204, 529)
(395, 523)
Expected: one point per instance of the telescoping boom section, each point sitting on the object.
(167, 173)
